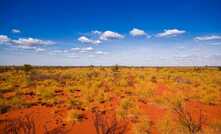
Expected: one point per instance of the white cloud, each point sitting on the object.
(100, 53)
(16, 31)
(26, 47)
(83, 51)
(183, 56)
(40, 50)
(137, 32)
(171, 33)
(75, 49)
(99, 36)
(109, 35)
(84, 39)
(208, 38)
(4, 38)
(31, 42)
(37, 49)
(25, 41)
(96, 32)
(87, 49)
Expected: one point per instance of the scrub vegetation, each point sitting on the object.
(110, 100)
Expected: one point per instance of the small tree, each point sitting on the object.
(186, 120)
(115, 68)
(27, 67)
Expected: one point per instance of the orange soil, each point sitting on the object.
(52, 117)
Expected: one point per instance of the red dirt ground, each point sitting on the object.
(50, 117)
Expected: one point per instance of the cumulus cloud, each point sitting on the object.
(25, 41)
(109, 35)
(208, 38)
(99, 37)
(170, 33)
(135, 32)
(16, 31)
(31, 42)
(4, 38)
(84, 39)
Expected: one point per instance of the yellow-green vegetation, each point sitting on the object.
(75, 103)
(128, 109)
(122, 89)
(145, 93)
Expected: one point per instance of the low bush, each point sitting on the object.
(128, 109)
(75, 103)
(187, 122)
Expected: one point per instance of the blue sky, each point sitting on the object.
(108, 32)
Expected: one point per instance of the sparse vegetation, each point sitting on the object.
(116, 99)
